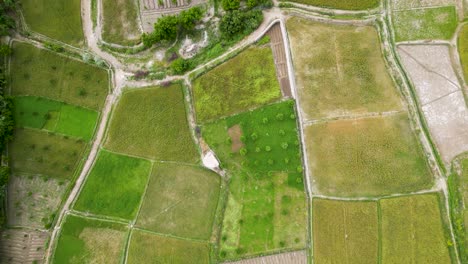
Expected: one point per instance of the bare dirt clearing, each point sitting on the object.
(297, 257)
(19, 246)
(439, 92)
(235, 133)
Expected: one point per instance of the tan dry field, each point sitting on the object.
(440, 95)
(296, 257)
(20, 246)
(409, 4)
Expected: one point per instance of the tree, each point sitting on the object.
(179, 65)
(237, 22)
(229, 5)
(166, 28)
(188, 18)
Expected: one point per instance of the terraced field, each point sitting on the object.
(19, 246)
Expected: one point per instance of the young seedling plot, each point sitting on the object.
(266, 209)
(345, 231)
(60, 20)
(340, 4)
(412, 230)
(425, 23)
(90, 241)
(366, 157)
(152, 123)
(120, 22)
(146, 247)
(180, 200)
(246, 81)
(440, 95)
(343, 73)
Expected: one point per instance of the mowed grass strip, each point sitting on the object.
(89, 241)
(345, 232)
(39, 72)
(243, 82)
(180, 200)
(340, 69)
(41, 113)
(43, 153)
(463, 49)
(115, 186)
(412, 230)
(340, 4)
(59, 20)
(151, 248)
(120, 23)
(366, 157)
(425, 23)
(152, 123)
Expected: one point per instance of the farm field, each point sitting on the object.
(146, 247)
(152, 123)
(120, 22)
(266, 209)
(245, 81)
(440, 93)
(90, 241)
(296, 257)
(347, 60)
(339, 4)
(425, 23)
(114, 186)
(53, 116)
(463, 49)
(366, 157)
(22, 246)
(410, 4)
(59, 20)
(180, 200)
(345, 232)
(41, 73)
(412, 229)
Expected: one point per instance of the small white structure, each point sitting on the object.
(210, 161)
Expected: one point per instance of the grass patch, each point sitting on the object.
(39, 152)
(412, 230)
(340, 4)
(89, 241)
(342, 72)
(41, 113)
(180, 200)
(169, 250)
(152, 123)
(39, 72)
(425, 23)
(59, 20)
(463, 49)
(373, 156)
(266, 209)
(120, 24)
(345, 232)
(115, 186)
(245, 81)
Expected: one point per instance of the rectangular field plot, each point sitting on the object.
(41, 153)
(115, 186)
(151, 248)
(59, 20)
(152, 123)
(345, 232)
(410, 4)
(180, 200)
(120, 22)
(22, 246)
(89, 241)
(340, 4)
(425, 23)
(412, 230)
(340, 70)
(266, 209)
(296, 257)
(372, 156)
(245, 81)
(39, 72)
(41, 113)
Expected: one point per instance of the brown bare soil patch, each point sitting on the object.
(235, 133)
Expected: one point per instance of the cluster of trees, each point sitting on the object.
(230, 5)
(238, 22)
(167, 28)
(7, 23)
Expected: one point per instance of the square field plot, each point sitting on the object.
(42, 153)
(245, 81)
(372, 156)
(345, 232)
(340, 4)
(412, 230)
(152, 123)
(180, 200)
(115, 186)
(84, 240)
(120, 22)
(425, 23)
(42, 73)
(146, 247)
(339, 70)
